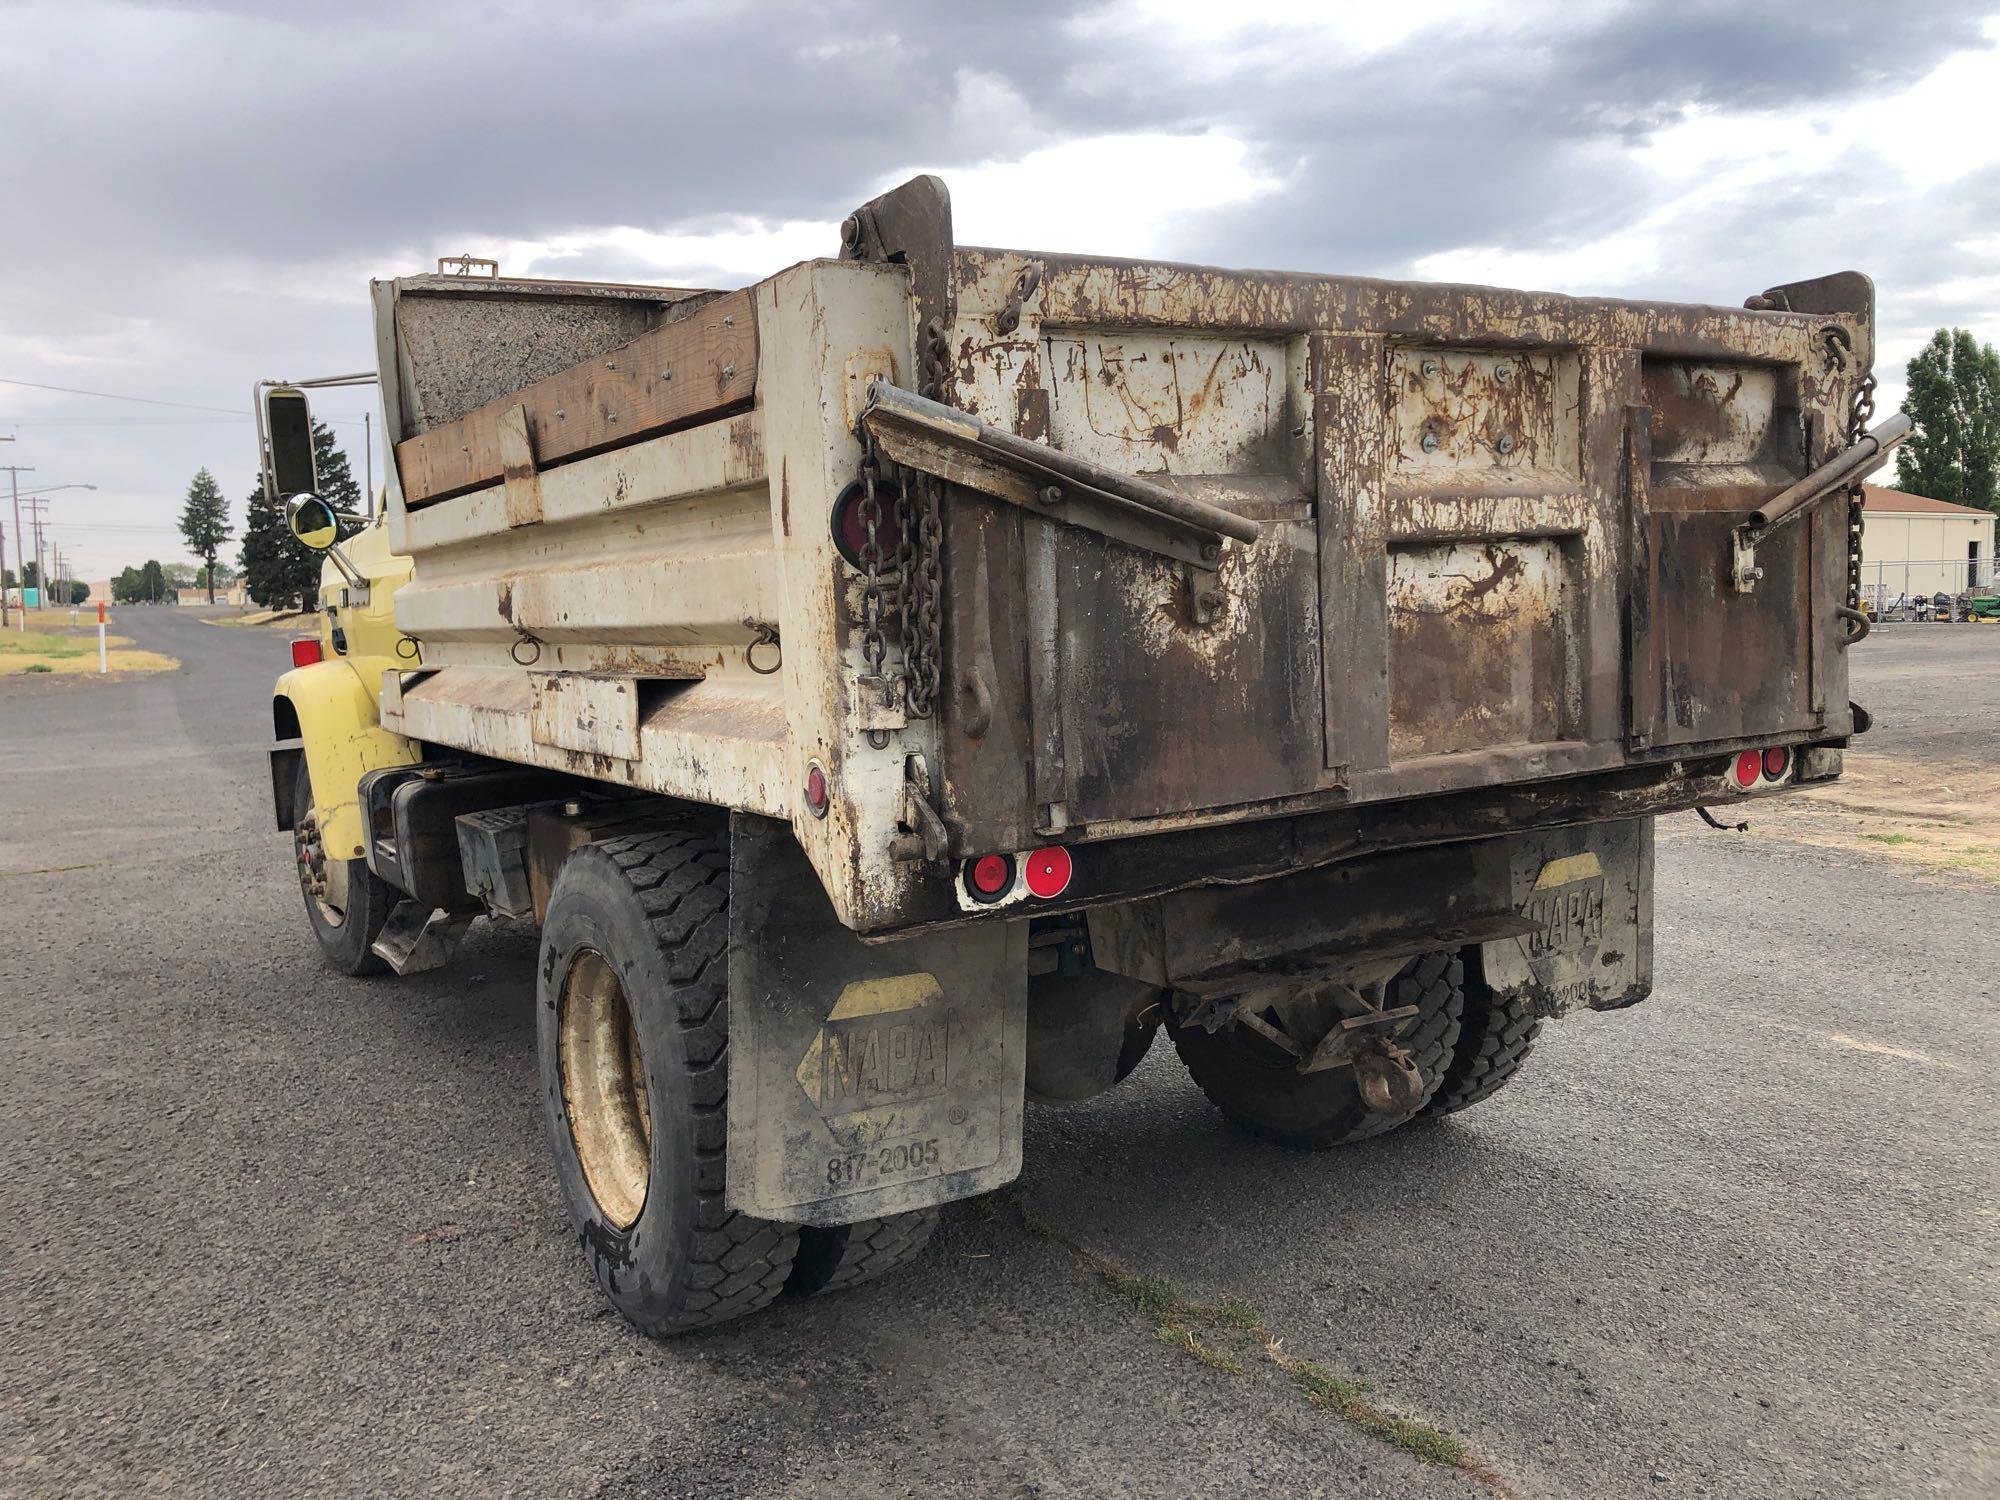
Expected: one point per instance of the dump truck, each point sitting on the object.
(901, 688)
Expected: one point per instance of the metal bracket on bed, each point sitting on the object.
(941, 441)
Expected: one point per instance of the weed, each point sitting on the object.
(1155, 1298)
(1349, 1399)
(1889, 838)
(1236, 1328)
(39, 666)
(1183, 1338)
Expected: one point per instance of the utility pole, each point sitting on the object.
(368, 459)
(35, 506)
(4, 607)
(14, 473)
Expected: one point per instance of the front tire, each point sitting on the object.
(1257, 1085)
(632, 1021)
(346, 902)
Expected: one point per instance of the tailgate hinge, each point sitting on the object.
(922, 835)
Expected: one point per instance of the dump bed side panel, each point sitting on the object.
(1494, 541)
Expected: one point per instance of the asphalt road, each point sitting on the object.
(267, 1229)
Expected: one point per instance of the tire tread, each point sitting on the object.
(738, 1263)
(1493, 1044)
(835, 1258)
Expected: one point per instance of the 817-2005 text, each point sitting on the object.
(861, 1168)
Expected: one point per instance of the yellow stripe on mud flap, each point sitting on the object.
(1571, 867)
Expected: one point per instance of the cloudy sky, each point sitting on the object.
(197, 194)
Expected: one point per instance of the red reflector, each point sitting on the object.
(1777, 760)
(1048, 872)
(991, 874)
(305, 651)
(850, 527)
(1749, 766)
(816, 790)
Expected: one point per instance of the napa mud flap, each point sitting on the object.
(863, 1079)
(1588, 894)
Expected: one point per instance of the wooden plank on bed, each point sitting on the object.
(699, 366)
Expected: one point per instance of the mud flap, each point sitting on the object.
(863, 1079)
(1589, 893)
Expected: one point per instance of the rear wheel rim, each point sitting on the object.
(604, 1088)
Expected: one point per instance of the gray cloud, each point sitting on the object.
(196, 193)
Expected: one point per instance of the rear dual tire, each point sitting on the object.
(1257, 1085)
(632, 1020)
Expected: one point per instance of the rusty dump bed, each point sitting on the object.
(1161, 551)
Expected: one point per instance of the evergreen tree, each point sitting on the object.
(278, 572)
(276, 569)
(205, 523)
(153, 579)
(1954, 399)
(336, 477)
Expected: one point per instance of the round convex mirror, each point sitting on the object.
(312, 522)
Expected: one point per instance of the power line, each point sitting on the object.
(112, 525)
(70, 390)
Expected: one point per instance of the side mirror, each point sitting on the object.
(312, 522)
(288, 444)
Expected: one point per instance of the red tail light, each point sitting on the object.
(1777, 761)
(1048, 872)
(305, 651)
(1749, 766)
(989, 877)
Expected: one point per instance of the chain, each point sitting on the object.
(918, 555)
(1857, 428)
(873, 647)
(923, 585)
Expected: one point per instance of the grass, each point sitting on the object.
(73, 652)
(1888, 838)
(1349, 1399)
(1228, 1335)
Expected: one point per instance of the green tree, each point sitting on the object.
(276, 569)
(278, 572)
(78, 591)
(125, 587)
(153, 581)
(336, 477)
(205, 522)
(1954, 400)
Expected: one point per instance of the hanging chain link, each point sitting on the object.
(1839, 346)
(873, 647)
(1857, 428)
(923, 583)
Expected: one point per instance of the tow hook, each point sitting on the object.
(1390, 1083)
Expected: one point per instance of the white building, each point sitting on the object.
(1915, 545)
